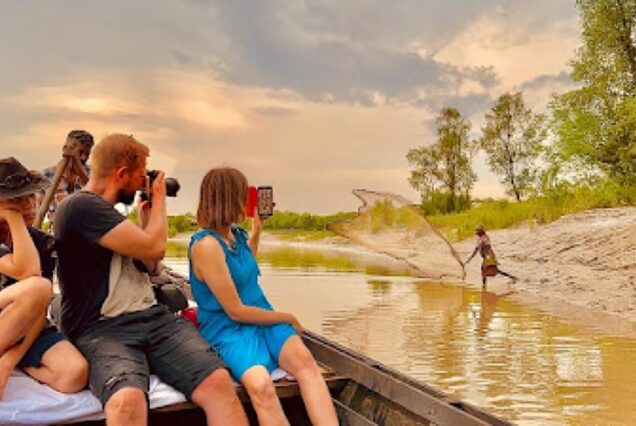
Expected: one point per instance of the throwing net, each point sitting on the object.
(391, 224)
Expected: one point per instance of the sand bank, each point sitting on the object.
(582, 266)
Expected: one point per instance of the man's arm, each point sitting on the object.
(74, 167)
(147, 244)
(80, 171)
(472, 255)
(153, 266)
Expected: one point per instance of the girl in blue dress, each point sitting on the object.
(234, 315)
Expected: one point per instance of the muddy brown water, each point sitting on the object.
(512, 360)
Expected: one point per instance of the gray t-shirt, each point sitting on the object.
(96, 283)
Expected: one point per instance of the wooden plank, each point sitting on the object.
(284, 389)
(348, 417)
(432, 405)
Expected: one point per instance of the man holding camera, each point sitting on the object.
(108, 307)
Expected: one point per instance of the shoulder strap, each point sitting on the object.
(240, 234)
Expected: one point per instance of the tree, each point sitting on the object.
(595, 124)
(445, 165)
(512, 139)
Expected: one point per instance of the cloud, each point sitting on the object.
(296, 145)
(274, 111)
(314, 98)
(313, 51)
(517, 41)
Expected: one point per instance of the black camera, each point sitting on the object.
(172, 186)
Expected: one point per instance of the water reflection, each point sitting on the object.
(509, 359)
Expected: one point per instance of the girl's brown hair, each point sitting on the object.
(222, 198)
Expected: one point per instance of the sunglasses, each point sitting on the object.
(15, 181)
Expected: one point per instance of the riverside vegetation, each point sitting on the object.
(578, 156)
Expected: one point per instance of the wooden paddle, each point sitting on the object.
(50, 191)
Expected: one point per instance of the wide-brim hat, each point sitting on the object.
(17, 181)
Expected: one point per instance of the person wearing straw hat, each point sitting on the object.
(26, 268)
(489, 264)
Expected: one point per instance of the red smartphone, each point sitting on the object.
(265, 201)
(252, 201)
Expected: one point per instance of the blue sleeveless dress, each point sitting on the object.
(240, 345)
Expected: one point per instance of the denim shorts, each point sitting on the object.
(45, 341)
(123, 351)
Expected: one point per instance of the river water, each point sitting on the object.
(511, 360)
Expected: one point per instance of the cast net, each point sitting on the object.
(391, 224)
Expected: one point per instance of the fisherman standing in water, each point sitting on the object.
(489, 264)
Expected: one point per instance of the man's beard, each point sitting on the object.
(126, 198)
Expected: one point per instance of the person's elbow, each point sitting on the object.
(27, 271)
(156, 251)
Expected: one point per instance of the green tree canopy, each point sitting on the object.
(445, 165)
(595, 124)
(512, 139)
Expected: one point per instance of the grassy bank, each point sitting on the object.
(283, 224)
(537, 210)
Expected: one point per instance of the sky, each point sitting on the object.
(315, 98)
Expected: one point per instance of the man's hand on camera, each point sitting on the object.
(143, 207)
(158, 189)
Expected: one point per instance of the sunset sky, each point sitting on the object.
(315, 98)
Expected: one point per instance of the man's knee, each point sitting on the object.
(218, 383)
(218, 380)
(127, 402)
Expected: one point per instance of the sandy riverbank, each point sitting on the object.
(581, 266)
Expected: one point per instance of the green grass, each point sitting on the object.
(537, 210)
(497, 214)
(300, 235)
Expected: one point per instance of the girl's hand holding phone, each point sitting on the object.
(257, 224)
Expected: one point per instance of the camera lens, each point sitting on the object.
(172, 187)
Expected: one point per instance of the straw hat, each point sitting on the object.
(16, 180)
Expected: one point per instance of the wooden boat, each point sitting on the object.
(364, 393)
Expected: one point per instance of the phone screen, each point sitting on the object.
(265, 201)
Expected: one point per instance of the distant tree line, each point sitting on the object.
(284, 220)
(589, 136)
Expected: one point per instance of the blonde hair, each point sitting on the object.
(117, 150)
(222, 198)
